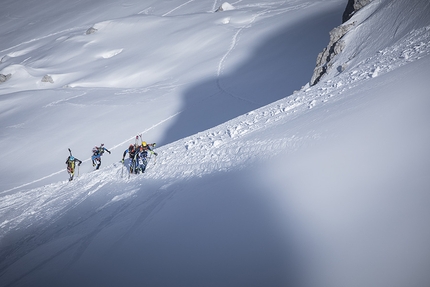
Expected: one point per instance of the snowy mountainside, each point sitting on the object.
(151, 67)
(325, 187)
(234, 143)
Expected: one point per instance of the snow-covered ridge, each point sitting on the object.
(353, 42)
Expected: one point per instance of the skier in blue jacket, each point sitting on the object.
(142, 155)
(132, 163)
(97, 155)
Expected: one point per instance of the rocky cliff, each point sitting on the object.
(352, 7)
(336, 44)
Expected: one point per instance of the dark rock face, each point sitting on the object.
(352, 7)
(349, 10)
(336, 44)
(334, 48)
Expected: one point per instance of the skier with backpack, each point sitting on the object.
(142, 155)
(71, 164)
(138, 155)
(97, 154)
(149, 147)
(142, 159)
(132, 158)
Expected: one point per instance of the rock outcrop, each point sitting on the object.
(47, 79)
(324, 60)
(352, 7)
(4, 78)
(225, 7)
(91, 30)
(334, 47)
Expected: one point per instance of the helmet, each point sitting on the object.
(102, 144)
(72, 157)
(131, 147)
(143, 143)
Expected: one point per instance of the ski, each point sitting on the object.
(70, 173)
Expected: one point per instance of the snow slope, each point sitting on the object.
(152, 67)
(326, 186)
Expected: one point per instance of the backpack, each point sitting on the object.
(71, 164)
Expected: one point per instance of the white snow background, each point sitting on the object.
(260, 180)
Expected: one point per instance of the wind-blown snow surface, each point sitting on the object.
(327, 186)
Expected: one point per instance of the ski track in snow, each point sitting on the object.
(269, 8)
(215, 5)
(64, 100)
(180, 6)
(27, 50)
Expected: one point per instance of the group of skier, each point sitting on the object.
(138, 156)
(136, 162)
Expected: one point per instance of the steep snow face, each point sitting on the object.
(363, 41)
(352, 42)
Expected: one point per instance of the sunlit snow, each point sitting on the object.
(260, 179)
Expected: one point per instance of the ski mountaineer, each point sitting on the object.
(71, 164)
(142, 159)
(146, 146)
(97, 155)
(142, 156)
(149, 147)
(132, 158)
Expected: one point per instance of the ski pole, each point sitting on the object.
(122, 169)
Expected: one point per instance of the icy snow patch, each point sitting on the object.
(112, 53)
